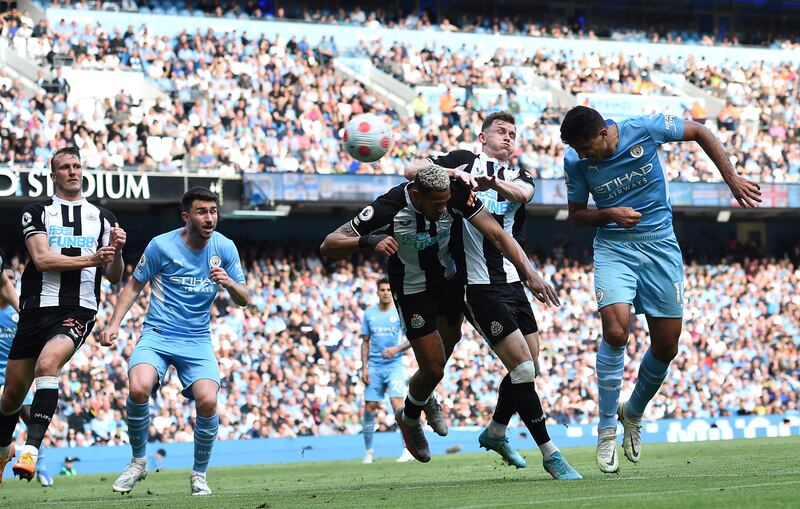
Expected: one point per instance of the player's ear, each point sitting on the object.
(482, 138)
(185, 216)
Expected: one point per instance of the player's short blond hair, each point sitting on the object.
(432, 178)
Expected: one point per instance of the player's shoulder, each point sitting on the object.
(103, 212)
(166, 239)
(37, 206)
(571, 159)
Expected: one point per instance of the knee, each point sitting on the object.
(206, 406)
(665, 353)
(11, 400)
(139, 392)
(434, 370)
(615, 335)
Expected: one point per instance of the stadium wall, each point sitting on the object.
(102, 459)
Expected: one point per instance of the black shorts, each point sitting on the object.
(37, 326)
(498, 310)
(418, 311)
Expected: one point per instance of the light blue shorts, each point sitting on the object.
(193, 360)
(642, 269)
(385, 380)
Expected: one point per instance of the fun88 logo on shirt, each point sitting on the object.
(64, 237)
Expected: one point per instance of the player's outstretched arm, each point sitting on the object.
(580, 215)
(345, 241)
(746, 192)
(7, 291)
(516, 191)
(124, 303)
(464, 177)
(47, 261)
(491, 230)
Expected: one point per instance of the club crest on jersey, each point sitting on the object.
(367, 213)
(392, 319)
(215, 261)
(637, 151)
(15, 318)
(142, 263)
(26, 219)
(91, 216)
(417, 321)
(599, 293)
(497, 328)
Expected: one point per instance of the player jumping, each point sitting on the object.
(637, 259)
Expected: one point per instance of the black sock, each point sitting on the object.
(505, 402)
(412, 410)
(44, 406)
(8, 423)
(530, 411)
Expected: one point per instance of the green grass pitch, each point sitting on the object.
(742, 473)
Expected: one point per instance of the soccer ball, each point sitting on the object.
(367, 137)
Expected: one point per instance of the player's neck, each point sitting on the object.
(61, 196)
(193, 241)
(384, 307)
(496, 157)
(613, 138)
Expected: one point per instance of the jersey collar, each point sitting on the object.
(62, 201)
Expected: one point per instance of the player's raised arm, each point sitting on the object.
(116, 239)
(365, 231)
(454, 162)
(511, 249)
(746, 192)
(230, 276)
(519, 190)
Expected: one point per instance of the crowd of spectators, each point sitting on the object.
(290, 362)
(531, 25)
(240, 104)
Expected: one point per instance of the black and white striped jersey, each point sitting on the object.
(482, 262)
(423, 260)
(73, 228)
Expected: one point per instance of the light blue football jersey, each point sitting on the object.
(634, 176)
(182, 291)
(8, 328)
(383, 329)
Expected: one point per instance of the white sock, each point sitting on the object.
(139, 461)
(5, 451)
(548, 449)
(201, 474)
(31, 449)
(496, 430)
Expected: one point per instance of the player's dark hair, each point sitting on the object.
(497, 116)
(383, 281)
(580, 125)
(197, 194)
(68, 150)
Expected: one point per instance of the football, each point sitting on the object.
(367, 137)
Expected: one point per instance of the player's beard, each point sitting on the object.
(203, 231)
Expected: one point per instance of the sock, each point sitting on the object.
(205, 432)
(505, 404)
(530, 410)
(610, 364)
(412, 409)
(45, 401)
(496, 430)
(548, 449)
(8, 423)
(138, 418)
(368, 428)
(652, 373)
